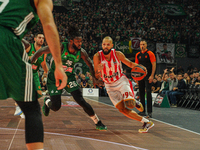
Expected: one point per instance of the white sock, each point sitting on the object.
(47, 101)
(144, 120)
(95, 118)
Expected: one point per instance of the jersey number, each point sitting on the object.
(3, 4)
(72, 84)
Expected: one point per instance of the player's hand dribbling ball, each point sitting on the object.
(138, 72)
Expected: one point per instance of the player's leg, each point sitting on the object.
(33, 124)
(77, 95)
(73, 88)
(142, 95)
(149, 98)
(122, 97)
(54, 101)
(18, 82)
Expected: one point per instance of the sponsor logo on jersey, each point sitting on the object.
(67, 69)
(111, 76)
(34, 67)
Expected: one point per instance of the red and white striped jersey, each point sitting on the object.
(112, 70)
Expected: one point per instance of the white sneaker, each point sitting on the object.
(18, 111)
(22, 116)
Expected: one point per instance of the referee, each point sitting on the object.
(147, 59)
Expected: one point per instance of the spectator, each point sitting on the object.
(164, 86)
(90, 82)
(176, 90)
(198, 81)
(155, 87)
(84, 83)
(173, 82)
(78, 80)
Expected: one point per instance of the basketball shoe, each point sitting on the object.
(18, 111)
(139, 106)
(45, 108)
(100, 126)
(146, 127)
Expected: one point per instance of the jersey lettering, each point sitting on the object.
(112, 70)
(22, 26)
(3, 5)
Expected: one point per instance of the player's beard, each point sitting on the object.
(106, 53)
(75, 47)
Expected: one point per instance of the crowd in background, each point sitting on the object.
(125, 19)
(128, 18)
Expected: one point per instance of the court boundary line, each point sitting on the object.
(14, 134)
(80, 137)
(153, 119)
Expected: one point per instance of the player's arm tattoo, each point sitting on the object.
(88, 61)
(97, 74)
(38, 53)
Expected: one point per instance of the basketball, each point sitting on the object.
(138, 72)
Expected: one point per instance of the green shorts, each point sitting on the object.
(36, 80)
(37, 84)
(16, 75)
(72, 85)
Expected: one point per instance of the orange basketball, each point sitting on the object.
(138, 72)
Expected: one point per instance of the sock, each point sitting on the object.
(95, 118)
(144, 120)
(47, 101)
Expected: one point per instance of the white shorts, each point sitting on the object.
(120, 90)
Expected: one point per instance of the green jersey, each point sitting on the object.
(37, 63)
(18, 15)
(68, 60)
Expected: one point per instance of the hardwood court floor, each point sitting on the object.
(71, 129)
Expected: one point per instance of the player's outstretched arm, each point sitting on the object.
(124, 60)
(38, 53)
(88, 61)
(97, 65)
(44, 11)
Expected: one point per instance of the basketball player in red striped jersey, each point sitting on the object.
(108, 66)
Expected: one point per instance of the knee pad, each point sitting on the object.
(55, 103)
(34, 125)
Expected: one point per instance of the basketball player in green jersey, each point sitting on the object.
(39, 41)
(71, 53)
(16, 77)
(31, 49)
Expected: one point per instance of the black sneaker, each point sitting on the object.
(45, 108)
(142, 113)
(100, 126)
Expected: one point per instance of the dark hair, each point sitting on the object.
(180, 74)
(164, 44)
(73, 32)
(143, 40)
(37, 34)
